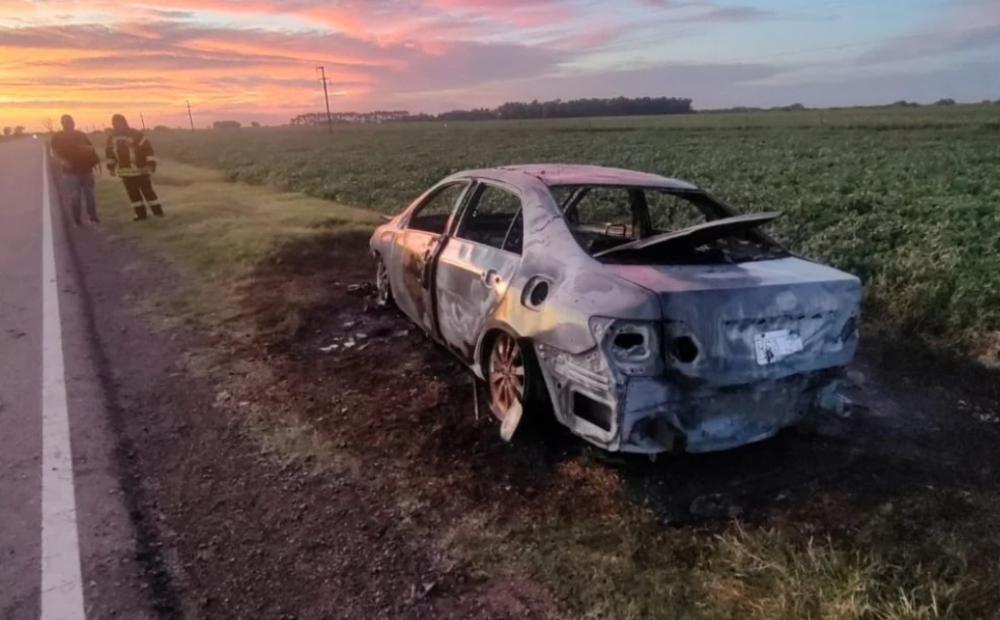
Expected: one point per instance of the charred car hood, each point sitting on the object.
(728, 311)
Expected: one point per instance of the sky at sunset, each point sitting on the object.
(256, 60)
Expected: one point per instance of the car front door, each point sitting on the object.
(475, 268)
(417, 248)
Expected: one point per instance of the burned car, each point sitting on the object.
(649, 314)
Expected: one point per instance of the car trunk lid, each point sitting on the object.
(752, 321)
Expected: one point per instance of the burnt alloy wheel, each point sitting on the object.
(510, 378)
(383, 290)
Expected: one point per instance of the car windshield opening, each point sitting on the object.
(607, 220)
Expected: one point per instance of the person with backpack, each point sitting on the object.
(130, 156)
(77, 157)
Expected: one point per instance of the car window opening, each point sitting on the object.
(434, 214)
(493, 218)
(603, 218)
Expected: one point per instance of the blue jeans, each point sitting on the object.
(79, 188)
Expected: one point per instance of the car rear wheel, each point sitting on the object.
(511, 379)
(383, 290)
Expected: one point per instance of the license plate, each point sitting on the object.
(773, 346)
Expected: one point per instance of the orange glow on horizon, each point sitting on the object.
(219, 54)
(255, 60)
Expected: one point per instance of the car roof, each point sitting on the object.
(578, 174)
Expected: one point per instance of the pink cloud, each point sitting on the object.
(526, 13)
(241, 69)
(375, 51)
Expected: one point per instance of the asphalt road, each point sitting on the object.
(67, 545)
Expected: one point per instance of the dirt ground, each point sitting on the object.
(918, 419)
(391, 453)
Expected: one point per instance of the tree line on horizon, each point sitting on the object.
(557, 108)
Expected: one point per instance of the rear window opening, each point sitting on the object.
(605, 218)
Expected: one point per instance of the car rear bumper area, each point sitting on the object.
(657, 417)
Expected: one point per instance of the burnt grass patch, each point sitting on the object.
(910, 476)
(371, 381)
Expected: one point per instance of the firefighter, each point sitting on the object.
(130, 156)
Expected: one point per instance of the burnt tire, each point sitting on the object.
(383, 288)
(513, 381)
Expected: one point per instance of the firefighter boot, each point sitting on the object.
(140, 214)
(156, 209)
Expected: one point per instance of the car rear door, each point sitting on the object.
(416, 250)
(477, 265)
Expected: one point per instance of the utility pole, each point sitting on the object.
(143, 121)
(190, 118)
(326, 96)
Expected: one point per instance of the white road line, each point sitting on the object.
(62, 583)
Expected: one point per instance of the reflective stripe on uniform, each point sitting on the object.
(137, 203)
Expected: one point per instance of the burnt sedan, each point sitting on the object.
(649, 314)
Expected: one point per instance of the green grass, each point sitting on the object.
(903, 562)
(215, 232)
(908, 199)
(630, 567)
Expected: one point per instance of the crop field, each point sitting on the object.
(906, 198)
(889, 513)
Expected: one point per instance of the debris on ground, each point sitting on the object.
(979, 413)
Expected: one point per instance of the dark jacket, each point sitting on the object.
(75, 152)
(130, 154)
